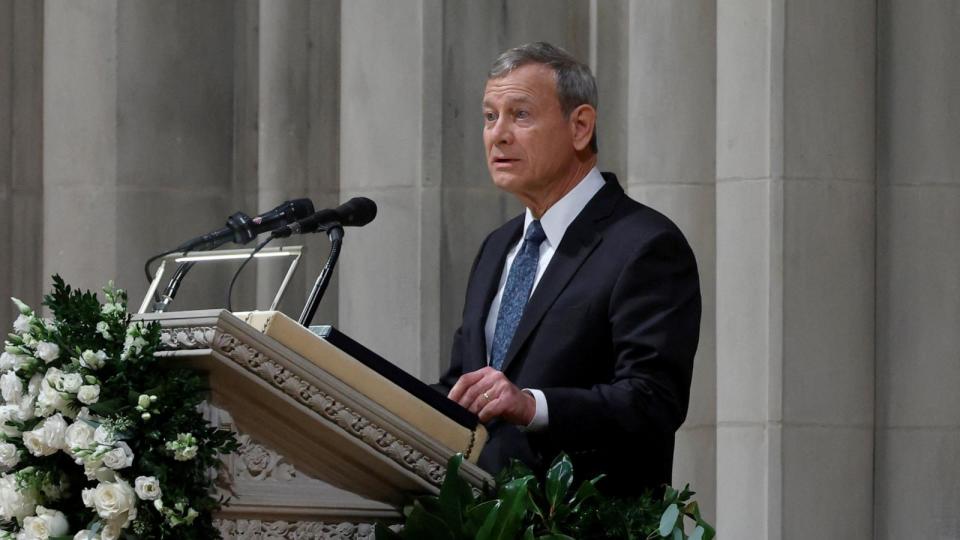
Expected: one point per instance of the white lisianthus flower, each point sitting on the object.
(120, 457)
(88, 394)
(22, 324)
(30, 341)
(11, 387)
(147, 488)
(111, 530)
(51, 398)
(103, 329)
(45, 524)
(86, 534)
(15, 503)
(12, 361)
(34, 442)
(93, 360)
(9, 413)
(104, 435)
(9, 455)
(79, 436)
(143, 401)
(48, 352)
(21, 307)
(115, 502)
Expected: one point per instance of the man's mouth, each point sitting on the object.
(504, 161)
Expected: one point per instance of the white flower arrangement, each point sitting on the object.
(95, 442)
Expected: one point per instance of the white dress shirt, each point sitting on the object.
(555, 222)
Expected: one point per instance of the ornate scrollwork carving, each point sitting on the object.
(318, 401)
(186, 338)
(244, 529)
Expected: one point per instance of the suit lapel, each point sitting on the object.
(581, 238)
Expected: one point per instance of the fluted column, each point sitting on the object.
(670, 148)
(918, 292)
(795, 268)
(21, 160)
(138, 114)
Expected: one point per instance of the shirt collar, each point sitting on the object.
(559, 216)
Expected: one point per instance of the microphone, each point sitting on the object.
(356, 212)
(241, 228)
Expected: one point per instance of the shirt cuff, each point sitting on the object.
(540, 416)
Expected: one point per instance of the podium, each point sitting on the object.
(328, 445)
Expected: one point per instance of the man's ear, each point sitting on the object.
(582, 121)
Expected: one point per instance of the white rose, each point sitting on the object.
(33, 387)
(26, 409)
(11, 387)
(35, 444)
(15, 503)
(119, 458)
(87, 497)
(88, 394)
(22, 324)
(93, 360)
(78, 436)
(47, 523)
(72, 382)
(115, 502)
(9, 455)
(147, 488)
(48, 352)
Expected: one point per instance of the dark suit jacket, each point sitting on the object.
(608, 335)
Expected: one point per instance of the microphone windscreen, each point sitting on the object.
(357, 212)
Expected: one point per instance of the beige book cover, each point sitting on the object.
(375, 386)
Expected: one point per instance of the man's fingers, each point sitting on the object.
(464, 383)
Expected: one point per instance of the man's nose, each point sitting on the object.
(501, 131)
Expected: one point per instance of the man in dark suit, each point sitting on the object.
(582, 315)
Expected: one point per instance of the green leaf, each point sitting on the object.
(668, 520)
(697, 533)
(382, 532)
(677, 534)
(559, 479)
(585, 492)
(528, 534)
(555, 536)
(492, 514)
(708, 531)
(477, 515)
(512, 511)
(455, 496)
(426, 526)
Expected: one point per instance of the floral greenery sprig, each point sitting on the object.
(98, 440)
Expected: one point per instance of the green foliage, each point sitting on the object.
(141, 404)
(521, 507)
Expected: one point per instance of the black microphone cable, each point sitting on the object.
(236, 274)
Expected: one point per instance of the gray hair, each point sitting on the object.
(575, 83)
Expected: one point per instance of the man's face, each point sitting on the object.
(529, 142)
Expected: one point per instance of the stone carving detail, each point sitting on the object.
(243, 529)
(324, 404)
(186, 338)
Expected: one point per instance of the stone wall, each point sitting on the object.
(807, 150)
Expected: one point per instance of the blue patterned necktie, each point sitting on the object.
(523, 271)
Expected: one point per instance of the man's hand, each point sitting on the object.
(489, 394)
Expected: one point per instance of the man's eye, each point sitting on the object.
(489, 117)
(522, 114)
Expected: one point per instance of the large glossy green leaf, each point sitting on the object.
(697, 533)
(677, 534)
(423, 525)
(668, 520)
(708, 531)
(559, 480)
(477, 515)
(455, 496)
(555, 536)
(509, 516)
(493, 513)
(585, 492)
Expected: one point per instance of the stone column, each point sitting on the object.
(138, 117)
(390, 152)
(298, 150)
(21, 180)
(918, 291)
(670, 148)
(474, 34)
(795, 268)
